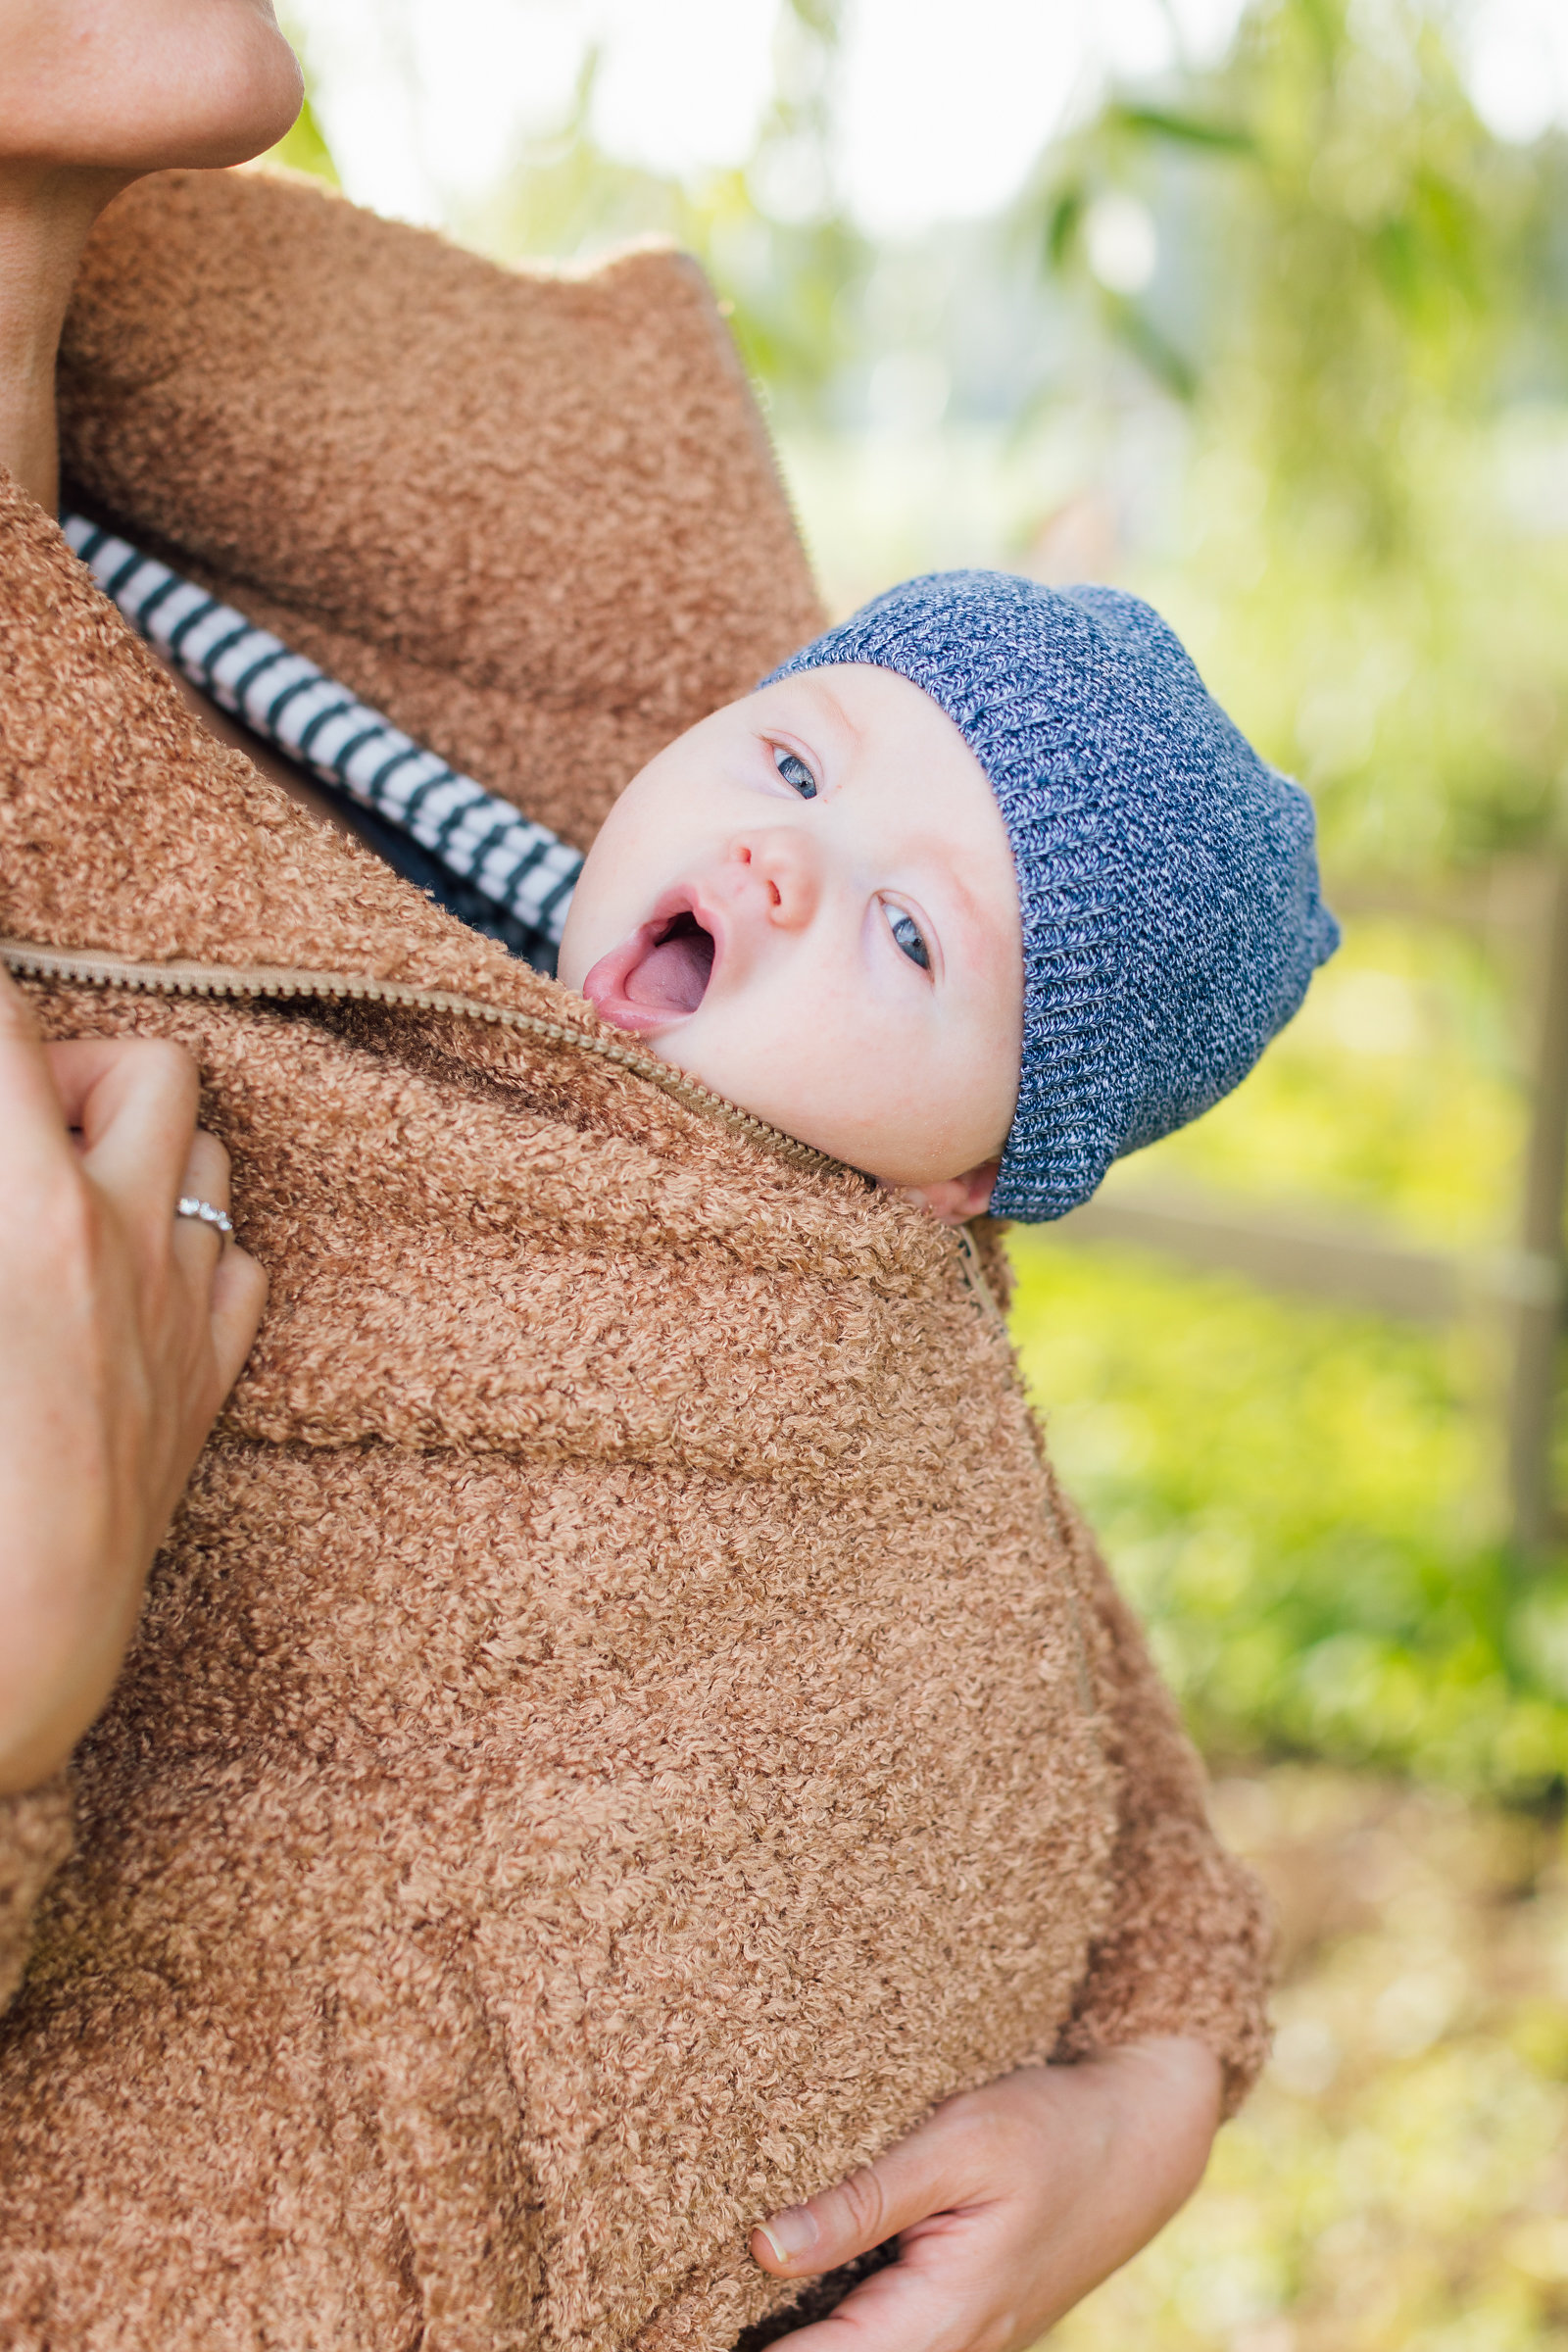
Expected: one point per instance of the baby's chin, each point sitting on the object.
(888, 1162)
(681, 1043)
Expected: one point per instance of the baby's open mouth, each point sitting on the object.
(676, 970)
(657, 976)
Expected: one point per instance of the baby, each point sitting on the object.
(975, 893)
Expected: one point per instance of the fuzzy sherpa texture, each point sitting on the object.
(626, 559)
(624, 1719)
(1166, 873)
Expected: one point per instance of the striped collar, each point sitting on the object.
(480, 856)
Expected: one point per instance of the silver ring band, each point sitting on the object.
(204, 1213)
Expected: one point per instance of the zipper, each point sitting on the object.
(280, 984)
(92, 968)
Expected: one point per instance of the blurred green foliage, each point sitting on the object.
(1359, 307)
(1359, 312)
(1288, 1493)
(774, 237)
(1393, 1098)
(1361, 299)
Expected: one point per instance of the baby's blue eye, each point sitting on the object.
(795, 771)
(906, 932)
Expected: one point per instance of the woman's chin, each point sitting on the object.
(191, 88)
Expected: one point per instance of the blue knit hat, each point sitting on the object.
(1166, 875)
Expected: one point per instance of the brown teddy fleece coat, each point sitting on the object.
(624, 1721)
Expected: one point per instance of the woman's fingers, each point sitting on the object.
(204, 1178)
(237, 1286)
(137, 1112)
(239, 1294)
(135, 1101)
(900, 2309)
(1009, 2203)
(94, 1077)
(864, 2210)
(126, 1327)
(75, 1067)
(32, 1142)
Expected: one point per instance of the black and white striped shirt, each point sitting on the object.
(470, 848)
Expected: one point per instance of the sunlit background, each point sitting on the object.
(1260, 309)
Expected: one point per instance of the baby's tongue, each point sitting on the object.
(674, 976)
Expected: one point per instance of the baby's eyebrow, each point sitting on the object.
(970, 908)
(836, 712)
(951, 893)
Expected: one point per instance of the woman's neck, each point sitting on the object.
(46, 216)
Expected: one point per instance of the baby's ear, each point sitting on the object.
(957, 1199)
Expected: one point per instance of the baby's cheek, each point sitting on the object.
(794, 1061)
(870, 1091)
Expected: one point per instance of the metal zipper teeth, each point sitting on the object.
(262, 981)
(279, 984)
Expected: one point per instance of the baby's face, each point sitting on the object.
(808, 904)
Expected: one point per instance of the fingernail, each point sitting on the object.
(791, 2233)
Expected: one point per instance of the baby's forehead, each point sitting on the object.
(822, 687)
(858, 696)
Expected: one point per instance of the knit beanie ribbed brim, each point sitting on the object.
(1168, 876)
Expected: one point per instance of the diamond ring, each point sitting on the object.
(204, 1213)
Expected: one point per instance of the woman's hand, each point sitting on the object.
(123, 1328)
(1010, 2204)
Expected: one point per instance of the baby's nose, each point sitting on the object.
(783, 868)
